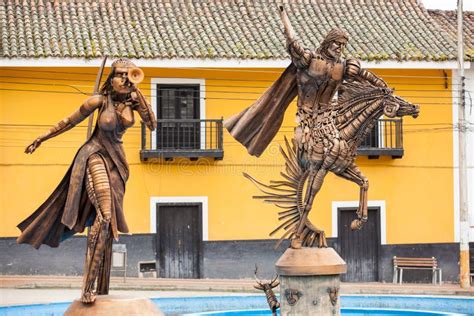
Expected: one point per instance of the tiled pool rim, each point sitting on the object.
(187, 305)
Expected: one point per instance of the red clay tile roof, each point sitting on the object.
(238, 29)
(448, 21)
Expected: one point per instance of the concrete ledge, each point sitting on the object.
(222, 285)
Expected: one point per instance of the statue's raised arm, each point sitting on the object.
(289, 31)
(300, 56)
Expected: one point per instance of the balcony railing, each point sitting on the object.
(385, 139)
(191, 138)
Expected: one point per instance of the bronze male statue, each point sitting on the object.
(321, 145)
(91, 193)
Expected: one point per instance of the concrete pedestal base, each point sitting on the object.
(309, 281)
(114, 305)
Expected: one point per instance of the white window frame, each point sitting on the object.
(177, 81)
(203, 200)
(336, 205)
(381, 135)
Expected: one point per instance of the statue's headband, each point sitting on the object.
(123, 63)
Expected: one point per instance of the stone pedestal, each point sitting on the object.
(310, 281)
(114, 305)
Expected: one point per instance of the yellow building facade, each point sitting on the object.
(218, 57)
(415, 193)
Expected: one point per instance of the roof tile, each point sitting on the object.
(379, 29)
(447, 20)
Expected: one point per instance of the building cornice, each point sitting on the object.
(216, 63)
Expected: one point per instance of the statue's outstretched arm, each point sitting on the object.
(69, 122)
(299, 54)
(372, 78)
(144, 110)
(355, 72)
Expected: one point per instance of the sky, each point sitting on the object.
(448, 4)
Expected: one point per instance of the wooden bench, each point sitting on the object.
(401, 263)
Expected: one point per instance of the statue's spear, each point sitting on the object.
(96, 90)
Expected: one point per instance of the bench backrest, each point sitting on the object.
(415, 262)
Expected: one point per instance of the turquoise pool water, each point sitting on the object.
(371, 305)
(344, 312)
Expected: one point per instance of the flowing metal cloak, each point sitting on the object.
(68, 210)
(257, 125)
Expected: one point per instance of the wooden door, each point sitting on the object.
(179, 240)
(359, 248)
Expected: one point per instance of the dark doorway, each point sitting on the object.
(359, 248)
(179, 240)
(178, 113)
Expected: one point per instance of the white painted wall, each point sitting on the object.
(469, 115)
(468, 5)
(469, 74)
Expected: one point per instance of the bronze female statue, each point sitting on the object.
(91, 193)
(315, 76)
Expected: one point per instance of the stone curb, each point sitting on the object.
(220, 285)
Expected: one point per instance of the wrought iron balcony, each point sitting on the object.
(385, 139)
(191, 138)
